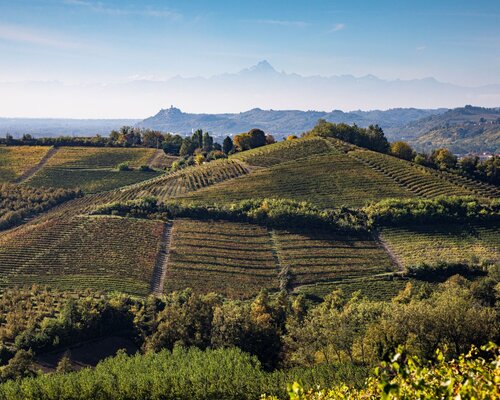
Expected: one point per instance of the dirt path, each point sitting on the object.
(160, 269)
(32, 171)
(282, 267)
(388, 250)
(155, 159)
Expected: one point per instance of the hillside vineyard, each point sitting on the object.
(67, 247)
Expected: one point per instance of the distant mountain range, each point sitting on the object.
(280, 123)
(463, 130)
(258, 86)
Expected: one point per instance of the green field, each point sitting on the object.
(281, 152)
(186, 180)
(451, 243)
(67, 248)
(16, 160)
(381, 289)
(82, 252)
(93, 169)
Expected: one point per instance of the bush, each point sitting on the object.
(123, 167)
(145, 168)
(443, 270)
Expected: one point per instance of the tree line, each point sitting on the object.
(286, 213)
(270, 336)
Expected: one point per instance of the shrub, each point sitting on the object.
(443, 270)
(123, 167)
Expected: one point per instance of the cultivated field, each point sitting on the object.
(451, 243)
(186, 180)
(67, 248)
(327, 180)
(235, 259)
(283, 152)
(383, 288)
(82, 252)
(423, 181)
(16, 160)
(93, 169)
(314, 257)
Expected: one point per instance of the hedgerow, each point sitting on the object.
(269, 212)
(397, 212)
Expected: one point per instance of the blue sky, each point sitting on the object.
(103, 41)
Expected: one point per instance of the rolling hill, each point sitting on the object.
(280, 123)
(462, 130)
(67, 247)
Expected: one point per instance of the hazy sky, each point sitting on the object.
(87, 41)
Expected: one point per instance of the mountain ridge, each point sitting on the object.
(278, 122)
(260, 85)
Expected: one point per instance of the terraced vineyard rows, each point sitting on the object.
(16, 160)
(92, 169)
(452, 243)
(327, 180)
(283, 152)
(324, 256)
(421, 180)
(235, 259)
(186, 180)
(98, 252)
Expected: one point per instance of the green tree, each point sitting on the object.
(19, 366)
(402, 150)
(187, 147)
(64, 365)
(227, 145)
(208, 142)
(444, 158)
(197, 139)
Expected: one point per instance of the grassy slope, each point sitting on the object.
(335, 175)
(15, 160)
(92, 169)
